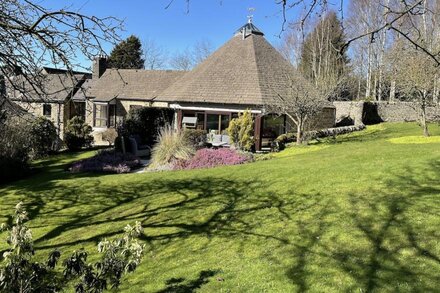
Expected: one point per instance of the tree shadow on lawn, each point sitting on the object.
(383, 240)
(88, 211)
(393, 239)
(181, 285)
(207, 206)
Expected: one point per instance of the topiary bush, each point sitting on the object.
(208, 158)
(241, 131)
(107, 162)
(43, 136)
(195, 137)
(171, 146)
(77, 134)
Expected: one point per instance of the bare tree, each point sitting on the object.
(414, 75)
(191, 57)
(202, 49)
(405, 8)
(300, 102)
(291, 43)
(182, 60)
(32, 36)
(155, 56)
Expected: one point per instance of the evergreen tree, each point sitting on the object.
(321, 58)
(127, 54)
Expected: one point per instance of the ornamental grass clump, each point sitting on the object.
(170, 148)
(208, 158)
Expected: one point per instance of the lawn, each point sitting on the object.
(359, 213)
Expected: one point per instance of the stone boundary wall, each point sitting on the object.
(333, 131)
(349, 113)
(355, 113)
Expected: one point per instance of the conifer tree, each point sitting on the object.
(127, 54)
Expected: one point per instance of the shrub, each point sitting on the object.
(171, 146)
(15, 146)
(208, 158)
(146, 122)
(77, 134)
(240, 131)
(43, 136)
(195, 137)
(107, 161)
(110, 135)
(21, 274)
(286, 138)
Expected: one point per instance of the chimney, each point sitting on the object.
(99, 66)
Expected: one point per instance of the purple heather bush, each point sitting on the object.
(208, 158)
(107, 162)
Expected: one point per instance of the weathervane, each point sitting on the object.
(250, 16)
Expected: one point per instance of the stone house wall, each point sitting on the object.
(57, 113)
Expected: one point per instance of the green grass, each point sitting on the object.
(355, 214)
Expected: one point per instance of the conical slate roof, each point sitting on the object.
(244, 71)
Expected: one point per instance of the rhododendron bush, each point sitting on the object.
(208, 158)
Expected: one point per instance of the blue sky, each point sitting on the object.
(174, 28)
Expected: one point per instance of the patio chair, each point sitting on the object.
(219, 140)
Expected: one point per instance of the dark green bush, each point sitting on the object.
(77, 134)
(43, 136)
(195, 137)
(146, 122)
(15, 147)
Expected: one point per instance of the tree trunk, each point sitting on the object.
(393, 91)
(298, 133)
(423, 116)
(369, 69)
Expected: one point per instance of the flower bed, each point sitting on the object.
(107, 162)
(208, 158)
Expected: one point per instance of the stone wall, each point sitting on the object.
(375, 112)
(403, 111)
(348, 113)
(326, 119)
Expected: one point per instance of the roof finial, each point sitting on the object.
(250, 16)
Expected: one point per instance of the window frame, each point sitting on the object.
(109, 122)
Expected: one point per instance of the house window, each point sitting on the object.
(217, 122)
(200, 120)
(47, 110)
(105, 115)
